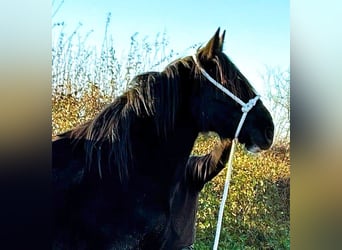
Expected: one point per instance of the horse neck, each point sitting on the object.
(171, 154)
(169, 145)
(183, 133)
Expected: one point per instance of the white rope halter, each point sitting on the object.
(246, 107)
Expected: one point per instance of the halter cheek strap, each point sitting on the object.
(245, 108)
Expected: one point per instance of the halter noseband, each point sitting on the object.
(245, 108)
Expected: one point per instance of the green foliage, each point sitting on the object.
(85, 79)
(257, 209)
(68, 111)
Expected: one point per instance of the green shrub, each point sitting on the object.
(257, 209)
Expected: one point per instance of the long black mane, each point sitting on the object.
(154, 95)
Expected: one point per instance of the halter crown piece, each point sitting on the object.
(245, 108)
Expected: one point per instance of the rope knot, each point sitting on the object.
(250, 104)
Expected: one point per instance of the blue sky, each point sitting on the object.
(258, 32)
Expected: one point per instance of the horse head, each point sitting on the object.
(215, 111)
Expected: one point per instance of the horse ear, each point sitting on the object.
(214, 46)
(222, 39)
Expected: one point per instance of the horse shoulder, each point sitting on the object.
(68, 165)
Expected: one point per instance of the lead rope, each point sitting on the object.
(246, 107)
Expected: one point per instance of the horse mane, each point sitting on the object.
(155, 95)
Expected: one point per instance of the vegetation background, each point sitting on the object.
(85, 80)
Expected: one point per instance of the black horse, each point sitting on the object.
(115, 177)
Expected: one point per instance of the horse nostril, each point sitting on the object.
(269, 133)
